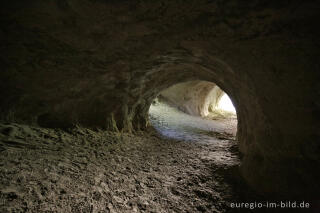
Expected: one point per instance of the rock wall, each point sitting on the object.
(101, 63)
(193, 97)
(213, 99)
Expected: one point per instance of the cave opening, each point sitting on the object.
(226, 104)
(197, 111)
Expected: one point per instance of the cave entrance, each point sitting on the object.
(225, 104)
(194, 111)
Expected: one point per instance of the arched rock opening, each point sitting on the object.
(64, 66)
(193, 97)
(191, 111)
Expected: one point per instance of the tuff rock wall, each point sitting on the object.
(100, 63)
(193, 97)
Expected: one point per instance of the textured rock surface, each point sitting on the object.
(193, 97)
(100, 63)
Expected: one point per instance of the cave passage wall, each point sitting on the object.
(100, 63)
(193, 97)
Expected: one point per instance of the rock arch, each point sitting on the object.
(62, 65)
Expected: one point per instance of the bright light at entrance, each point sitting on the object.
(226, 104)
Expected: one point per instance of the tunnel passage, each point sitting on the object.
(123, 103)
(62, 65)
(194, 111)
(199, 98)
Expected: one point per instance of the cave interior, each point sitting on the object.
(113, 106)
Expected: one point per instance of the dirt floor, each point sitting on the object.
(173, 123)
(45, 170)
(80, 170)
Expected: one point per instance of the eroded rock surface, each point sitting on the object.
(193, 97)
(101, 63)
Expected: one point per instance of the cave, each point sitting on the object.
(193, 110)
(80, 80)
